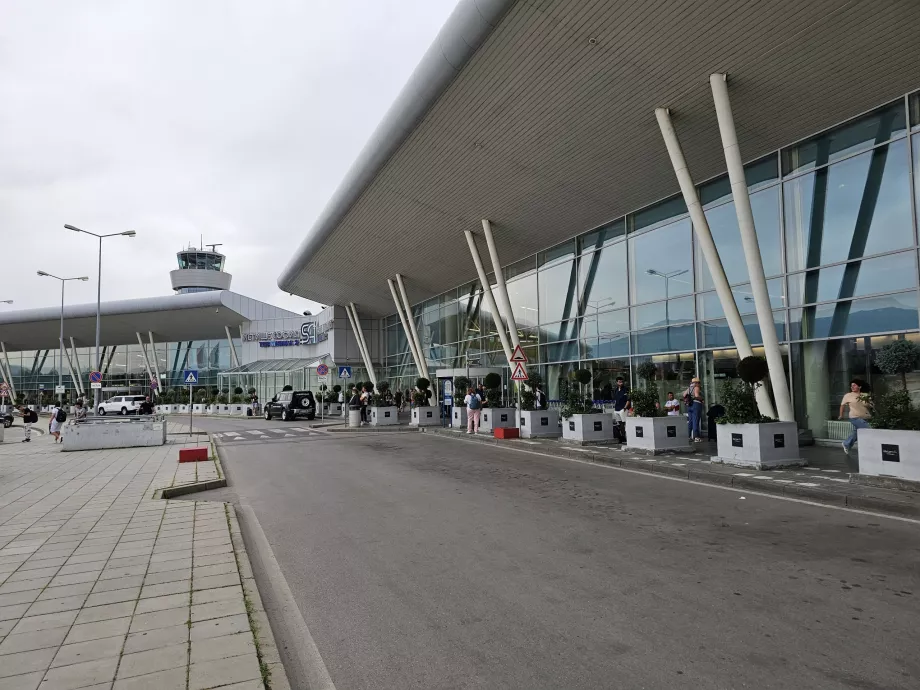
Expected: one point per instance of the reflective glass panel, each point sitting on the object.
(523, 295)
(858, 207)
(660, 263)
(862, 316)
(564, 330)
(666, 339)
(602, 279)
(710, 307)
(758, 174)
(660, 214)
(663, 313)
(566, 250)
(916, 144)
(855, 279)
(715, 332)
(723, 223)
(601, 236)
(605, 346)
(845, 140)
(559, 352)
(557, 291)
(605, 323)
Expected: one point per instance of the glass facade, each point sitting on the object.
(836, 218)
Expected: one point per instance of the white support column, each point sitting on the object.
(156, 363)
(76, 381)
(503, 300)
(752, 256)
(8, 372)
(423, 360)
(405, 325)
(233, 356)
(708, 248)
(362, 344)
(140, 342)
(79, 369)
(487, 294)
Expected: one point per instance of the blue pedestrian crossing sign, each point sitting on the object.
(344, 372)
(190, 376)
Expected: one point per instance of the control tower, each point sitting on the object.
(200, 270)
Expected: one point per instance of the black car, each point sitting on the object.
(290, 405)
(7, 420)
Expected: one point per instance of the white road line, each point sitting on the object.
(761, 476)
(678, 464)
(256, 433)
(838, 471)
(807, 484)
(287, 435)
(277, 431)
(838, 479)
(743, 474)
(298, 428)
(230, 433)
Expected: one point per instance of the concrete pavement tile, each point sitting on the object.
(219, 569)
(154, 639)
(118, 583)
(120, 554)
(206, 596)
(20, 597)
(14, 612)
(123, 571)
(83, 558)
(164, 566)
(6, 626)
(24, 585)
(166, 556)
(32, 574)
(26, 662)
(214, 560)
(213, 581)
(209, 674)
(26, 642)
(160, 619)
(28, 681)
(214, 541)
(174, 679)
(168, 576)
(214, 550)
(88, 651)
(45, 622)
(218, 609)
(102, 613)
(34, 563)
(247, 685)
(40, 608)
(165, 588)
(94, 631)
(80, 675)
(127, 561)
(113, 596)
(150, 661)
(217, 627)
(170, 601)
(65, 591)
(214, 648)
(80, 568)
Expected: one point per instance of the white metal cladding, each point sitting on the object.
(549, 134)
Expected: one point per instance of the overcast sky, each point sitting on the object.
(228, 119)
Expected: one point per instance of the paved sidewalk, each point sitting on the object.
(103, 586)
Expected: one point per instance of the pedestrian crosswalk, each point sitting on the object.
(290, 432)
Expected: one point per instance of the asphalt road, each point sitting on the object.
(423, 562)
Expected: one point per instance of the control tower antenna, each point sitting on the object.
(214, 246)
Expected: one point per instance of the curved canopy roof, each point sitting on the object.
(539, 115)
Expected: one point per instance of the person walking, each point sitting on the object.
(621, 405)
(672, 405)
(473, 410)
(365, 401)
(399, 401)
(29, 417)
(858, 412)
(693, 399)
(58, 416)
(146, 407)
(539, 399)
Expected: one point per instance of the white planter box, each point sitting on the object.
(656, 435)
(492, 418)
(139, 432)
(198, 409)
(166, 409)
(458, 416)
(425, 416)
(333, 409)
(223, 410)
(596, 427)
(761, 446)
(540, 424)
(183, 409)
(889, 453)
(384, 416)
(210, 409)
(239, 409)
(46, 409)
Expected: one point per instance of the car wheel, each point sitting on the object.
(268, 415)
(124, 411)
(102, 411)
(285, 416)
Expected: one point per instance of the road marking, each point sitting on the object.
(277, 431)
(287, 435)
(743, 474)
(678, 464)
(837, 479)
(299, 428)
(256, 433)
(838, 471)
(807, 484)
(230, 433)
(761, 476)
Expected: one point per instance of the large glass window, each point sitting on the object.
(716, 333)
(856, 279)
(723, 223)
(855, 208)
(523, 295)
(666, 339)
(604, 235)
(660, 263)
(602, 279)
(663, 313)
(655, 216)
(886, 314)
(709, 305)
(557, 290)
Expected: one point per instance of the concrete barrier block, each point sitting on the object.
(131, 433)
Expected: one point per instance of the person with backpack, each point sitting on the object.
(473, 410)
(58, 417)
(693, 400)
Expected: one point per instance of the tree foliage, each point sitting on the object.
(899, 357)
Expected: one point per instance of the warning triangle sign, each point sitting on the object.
(520, 374)
(518, 356)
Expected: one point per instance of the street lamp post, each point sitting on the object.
(96, 363)
(43, 274)
(667, 311)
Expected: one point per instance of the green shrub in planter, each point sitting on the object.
(461, 385)
(493, 385)
(236, 399)
(739, 399)
(382, 397)
(645, 402)
(251, 390)
(421, 394)
(238, 390)
(572, 396)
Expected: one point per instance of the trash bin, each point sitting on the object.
(354, 415)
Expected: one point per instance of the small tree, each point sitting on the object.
(461, 386)
(739, 398)
(421, 394)
(251, 390)
(899, 357)
(573, 398)
(288, 387)
(493, 385)
(529, 391)
(382, 397)
(238, 390)
(645, 401)
(895, 409)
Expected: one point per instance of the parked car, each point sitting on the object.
(121, 404)
(290, 405)
(7, 420)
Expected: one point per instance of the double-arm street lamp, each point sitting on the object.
(96, 362)
(43, 274)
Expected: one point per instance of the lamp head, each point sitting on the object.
(651, 271)
(84, 278)
(129, 233)
(42, 273)
(72, 227)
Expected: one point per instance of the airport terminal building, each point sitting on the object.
(547, 139)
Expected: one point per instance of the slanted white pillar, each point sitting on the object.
(503, 301)
(156, 363)
(708, 248)
(752, 256)
(8, 373)
(233, 356)
(487, 295)
(402, 319)
(73, 376)
(352, 312)
(79, 369)
(140, 341)
(423, 360)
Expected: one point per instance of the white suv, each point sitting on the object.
(121, 404)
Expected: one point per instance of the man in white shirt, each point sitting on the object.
(473, 410)
(672, 405)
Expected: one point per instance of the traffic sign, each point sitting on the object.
(520, 373)
(344, 372)
(95, 377)
(60, 390)
(190, 376)
(322, 370)
(519, 356)
(322, 379)
(41, 386)
(95, 384)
